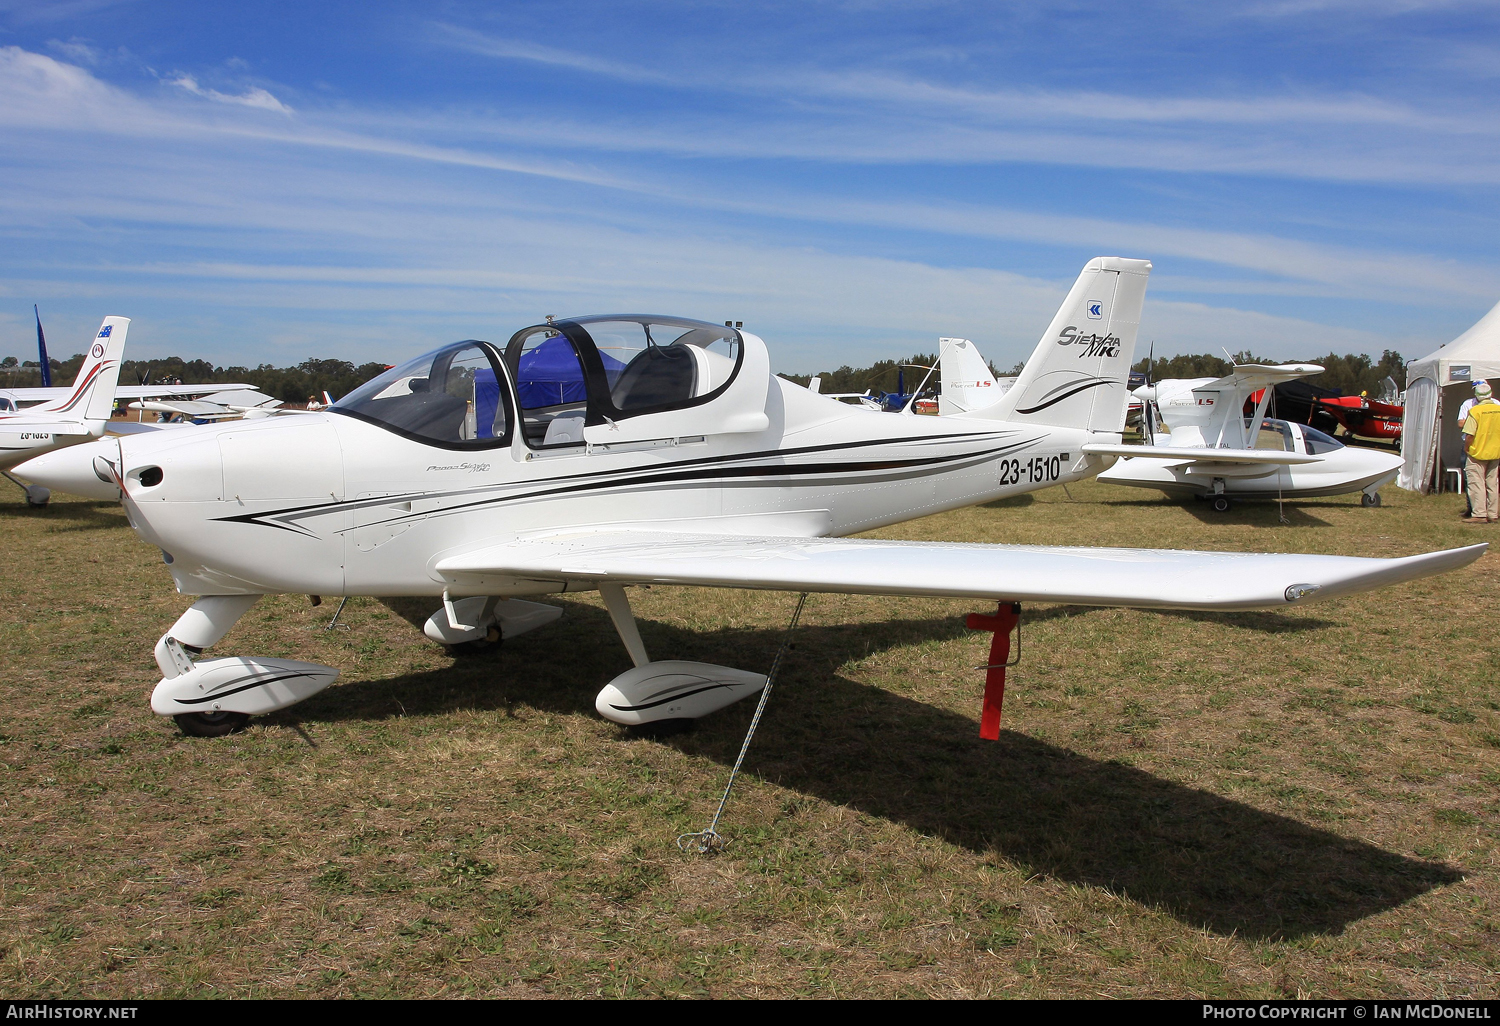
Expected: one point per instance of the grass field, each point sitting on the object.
(1255, 804)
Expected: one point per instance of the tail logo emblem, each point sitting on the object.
(104, 332)
(97, 352)
(1096, 309)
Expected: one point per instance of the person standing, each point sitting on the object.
(1463, 415)
(1482, 447)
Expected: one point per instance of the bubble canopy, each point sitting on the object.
(560, 376)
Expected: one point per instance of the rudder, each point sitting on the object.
(93, 394)
(1078, 374)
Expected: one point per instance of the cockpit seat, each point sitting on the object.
(564, 429)
(658, 375)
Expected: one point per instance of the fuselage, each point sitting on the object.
(26, 435)
(330, 504)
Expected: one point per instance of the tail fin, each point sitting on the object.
(1078, 375)
(41, 349)
(967, 381)
(93, 394)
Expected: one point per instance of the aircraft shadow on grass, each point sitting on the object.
(64, 517)
(1204, 859)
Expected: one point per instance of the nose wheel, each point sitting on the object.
(36, 496)
(214, 724)
(1368, 499)
(1221, 504)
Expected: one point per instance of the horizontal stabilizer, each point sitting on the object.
(1148, 578)
(1203, 454)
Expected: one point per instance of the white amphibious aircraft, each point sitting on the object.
(485, 475)
(78, 415)
(1212, 451)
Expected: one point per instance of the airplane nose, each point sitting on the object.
(88, 470)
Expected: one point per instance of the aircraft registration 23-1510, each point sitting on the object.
(602, 452)
(1037, 470)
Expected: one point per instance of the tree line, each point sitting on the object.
(1348, 374)
(289, 384)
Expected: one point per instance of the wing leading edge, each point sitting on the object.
(1148, 578)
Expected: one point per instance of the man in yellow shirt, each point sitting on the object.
(1482, 446)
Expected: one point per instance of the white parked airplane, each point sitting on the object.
(462, 476)
(1212, 451)
(223, 404)
(966, 379)
(78, 415)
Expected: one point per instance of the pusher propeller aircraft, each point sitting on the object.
(78, 415)
(451, 476)
(1213, 451)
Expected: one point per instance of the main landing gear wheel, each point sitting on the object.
(214, 724)
(487, 645)
(1369, 500)
(1221, 504)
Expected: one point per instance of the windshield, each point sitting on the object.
(450, 397)
(1319, 443)
(1274, 434)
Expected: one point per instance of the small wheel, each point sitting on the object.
(1366, 499)
(214, 724)
(1221, 504)
(37, 496)
(487, 645)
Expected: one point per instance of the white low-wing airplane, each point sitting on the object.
(1211, 451)
(223, 404)
(468, 476)
(78, 415)
(967, 382)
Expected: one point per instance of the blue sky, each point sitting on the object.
(262, 182)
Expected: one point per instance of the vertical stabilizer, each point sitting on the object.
(967, 381)
(41, 349)
(1078, 375)
(93, 394)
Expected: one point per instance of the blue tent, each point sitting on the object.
(486, 402)
(551, 374)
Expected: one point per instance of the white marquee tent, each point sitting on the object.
(1435, 387)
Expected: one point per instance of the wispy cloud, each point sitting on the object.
(76, 50)
(452, 220)
(856, 114)
(471, 41)
(254, 96)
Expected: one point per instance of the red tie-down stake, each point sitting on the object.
(1005, 620)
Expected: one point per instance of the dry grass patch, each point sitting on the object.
(1251, 804)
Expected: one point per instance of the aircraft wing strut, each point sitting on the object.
(1148, 578)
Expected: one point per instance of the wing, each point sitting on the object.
(1202, 454)
(1157, 578)
(177, 391)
